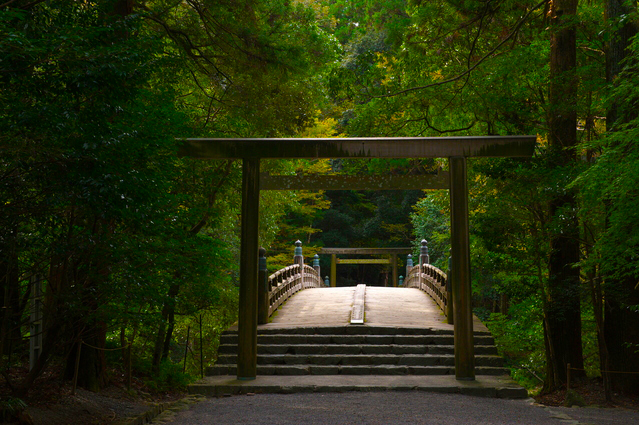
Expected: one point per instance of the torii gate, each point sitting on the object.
(456, 149)
(393, 252)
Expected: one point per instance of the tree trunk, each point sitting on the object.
(617, 48)
(87, 276)
(621, 329)
(92, 370)
(563, 321)
(167, 311)
(169, 334)
(604, 357)
(159, 346)
(50, 339)
(11, 316)
(621, 325)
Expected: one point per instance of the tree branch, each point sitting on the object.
(472, 68)
(25, 7)
(211, 200)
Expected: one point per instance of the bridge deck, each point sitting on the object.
(396, 307)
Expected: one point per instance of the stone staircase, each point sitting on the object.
(357, 350)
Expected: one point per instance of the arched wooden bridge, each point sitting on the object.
(421, 301)
(308, 328)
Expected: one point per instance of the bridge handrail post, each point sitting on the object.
(262, 289)
(299, 259)
(287, 281)
(424, 258)
(316, 264)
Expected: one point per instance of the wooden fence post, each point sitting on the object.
(186, 349)
(35, 325)
(201, 348)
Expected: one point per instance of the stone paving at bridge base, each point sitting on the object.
(482, 386)
(312, 310)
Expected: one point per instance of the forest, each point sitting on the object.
(117, 256)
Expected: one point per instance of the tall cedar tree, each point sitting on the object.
(563, 312)
(621, 324)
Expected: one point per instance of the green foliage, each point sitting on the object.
(431, 221)
(10, 408)
(169, 378)
(608, 188)
(124, 233)
(250, 63)
(519, 338)
(592, 364)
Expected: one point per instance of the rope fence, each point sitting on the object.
(77, 359)
(569, 368)
(603, 371)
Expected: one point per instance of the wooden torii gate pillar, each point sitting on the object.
(456, 149)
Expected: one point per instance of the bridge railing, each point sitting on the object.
(275, 289)
(287, 281)
(431, 280)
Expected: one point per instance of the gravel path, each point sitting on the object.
(389, 408)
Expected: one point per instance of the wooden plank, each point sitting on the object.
(366, 251)
(370, 147)
(344, 182)
(363, 261)
(357, 311)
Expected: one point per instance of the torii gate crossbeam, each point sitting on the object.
(456, 149)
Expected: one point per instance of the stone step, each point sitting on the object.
(362, 360)
(352, 330)
(287, 370)
(282, 339)
(480, 350)
(357, 350)
(341, 349)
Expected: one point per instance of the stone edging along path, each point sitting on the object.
(163, 412)
(483, 386)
